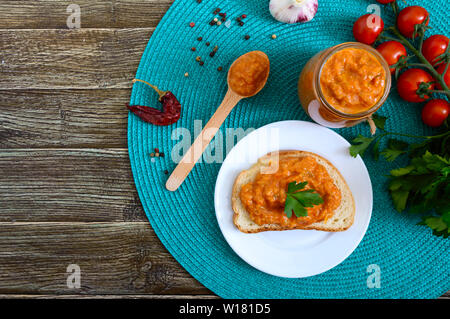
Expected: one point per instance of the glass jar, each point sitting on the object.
(312, 98)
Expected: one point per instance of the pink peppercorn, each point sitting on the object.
(244, 16)
(192, 24)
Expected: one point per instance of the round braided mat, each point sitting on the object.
(413, 263)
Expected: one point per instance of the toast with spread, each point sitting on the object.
(339, 219)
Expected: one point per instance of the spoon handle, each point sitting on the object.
(196, 150)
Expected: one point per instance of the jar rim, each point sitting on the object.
(378, 56)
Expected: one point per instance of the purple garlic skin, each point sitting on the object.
(293, 11)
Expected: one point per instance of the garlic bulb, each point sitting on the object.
(292, 11)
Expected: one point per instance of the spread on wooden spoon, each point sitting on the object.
(249, 73)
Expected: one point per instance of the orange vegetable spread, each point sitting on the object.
(352, 80)
(247, 74)
(264, 198)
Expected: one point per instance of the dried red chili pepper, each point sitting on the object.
(170, 113)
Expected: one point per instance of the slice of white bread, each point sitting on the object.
(341, 220)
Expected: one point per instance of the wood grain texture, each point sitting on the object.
(114, 258)
(124, 296)
(66, 191)
(70, 59)
(64, 118)
(88, 185)
(52, 14)
(64, 167)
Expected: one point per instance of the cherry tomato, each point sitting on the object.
(435, 112)
(385, 1)
(441, 70)
(391, 52)
(434, 46)
(367, 28)
(409, 81)
(409, 17)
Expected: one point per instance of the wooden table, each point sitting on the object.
(67, 194)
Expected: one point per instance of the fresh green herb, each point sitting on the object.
(297, 199)
(394, 149)
(423, 186)
(379, 120)
(438, 144)
(360, 144)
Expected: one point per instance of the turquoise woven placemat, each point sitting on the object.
(413, 263)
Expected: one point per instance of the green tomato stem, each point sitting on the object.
(422, 59)
(414, 136)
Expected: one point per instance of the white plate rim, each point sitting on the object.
(352, 246)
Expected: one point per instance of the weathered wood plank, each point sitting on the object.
(114, 258)
(48, 14)
(63, 118)
(70, 59)
(125, 296)
(90, 185)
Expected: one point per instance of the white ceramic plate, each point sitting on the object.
(294, 253)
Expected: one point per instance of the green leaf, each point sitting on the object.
(297, 200)
(360, 145)
(394, 149)
(446, 218)
(379, 121)
(293, 187)
(308, 198)
(290, 206)
(376, 150)
(399, 197)
(435, 223)
(402, 171)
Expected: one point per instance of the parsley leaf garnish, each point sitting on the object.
(394, 149)
(297, 199)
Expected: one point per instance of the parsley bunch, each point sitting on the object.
(297, 199)
(423, 186)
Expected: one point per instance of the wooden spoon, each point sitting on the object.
(237, 90)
